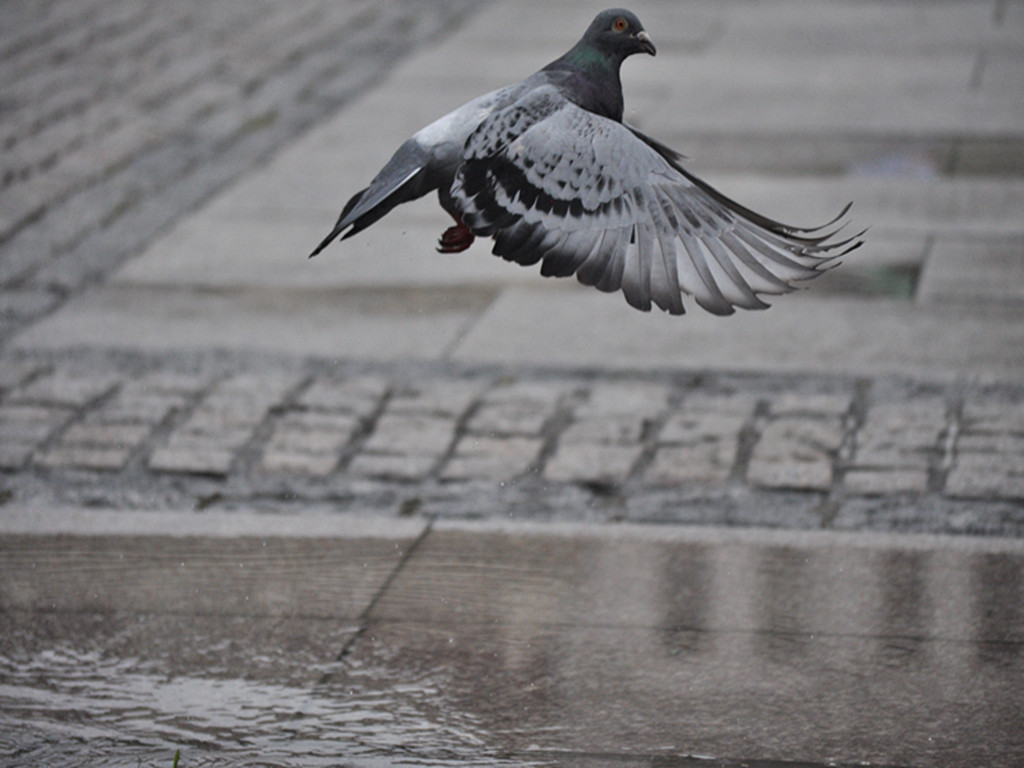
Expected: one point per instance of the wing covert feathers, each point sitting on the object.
(585, 195)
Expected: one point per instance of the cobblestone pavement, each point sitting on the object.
(116, 117)
(813, 452)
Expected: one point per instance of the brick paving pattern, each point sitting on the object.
(989, 456)
(562, 442)
(224, 421)
(118, 117)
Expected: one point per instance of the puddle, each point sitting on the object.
(62, 707)
(622, 646)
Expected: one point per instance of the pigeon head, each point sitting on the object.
(590, 69)
(616, 34)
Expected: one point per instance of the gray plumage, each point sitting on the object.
(547, 168)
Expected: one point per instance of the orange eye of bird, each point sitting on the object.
(620, 25)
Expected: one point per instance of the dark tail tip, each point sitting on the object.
(324, 243)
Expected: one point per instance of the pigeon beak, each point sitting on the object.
(645, 42)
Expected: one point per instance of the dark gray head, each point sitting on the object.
(588, 73)
(617, 33)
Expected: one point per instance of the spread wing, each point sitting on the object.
(585, 195)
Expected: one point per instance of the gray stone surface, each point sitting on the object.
(395, 299)
(445, 511)
(452, 375)
(541, 326)
(506, 643)
(987, 274)
(797, 453)
(495, 459)
(118, 120)
(731, 449)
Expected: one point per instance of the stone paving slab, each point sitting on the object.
(661, 622)
(380, 324)
(203, 253)
(263, 585)
(237, 636)
(971, 272)
(541, 325)
(247, 239)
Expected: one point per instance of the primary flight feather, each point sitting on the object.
(547, 168)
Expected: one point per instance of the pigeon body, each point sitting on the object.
(547, 168)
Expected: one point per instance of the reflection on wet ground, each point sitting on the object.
(552, 646)
(63, 707)
(742, 649)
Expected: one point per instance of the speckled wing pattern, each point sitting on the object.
(586, 195)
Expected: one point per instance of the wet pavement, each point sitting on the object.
(392, 508)
(334, 640)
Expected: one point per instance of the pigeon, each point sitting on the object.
(549, 170)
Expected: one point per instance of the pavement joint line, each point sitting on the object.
(941, 462)
(366, 616)
(248, 456)
(459, 433)
(363, 433)
(746, 440)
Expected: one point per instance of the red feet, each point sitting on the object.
(455, 239)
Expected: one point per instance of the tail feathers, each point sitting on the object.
(401, 180)
(369, 205)
(342, 223)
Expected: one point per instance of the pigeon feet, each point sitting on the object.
(455, 239)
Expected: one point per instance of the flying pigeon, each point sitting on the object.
(547, 168)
